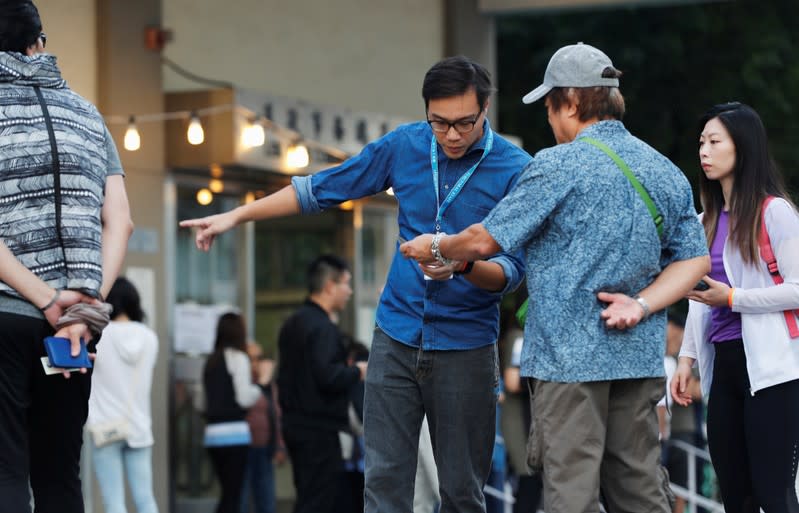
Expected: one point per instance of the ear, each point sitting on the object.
(486, 105)
(328, 288)
(570, 109)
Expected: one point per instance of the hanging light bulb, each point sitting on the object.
(204, 197)
(297, 156)
(217, 186)
(195, 132)
(132, 140)
(253, 134)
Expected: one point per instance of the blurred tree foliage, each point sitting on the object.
(677, 62)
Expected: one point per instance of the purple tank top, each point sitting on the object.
(724, 323)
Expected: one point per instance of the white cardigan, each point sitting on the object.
(772, 357)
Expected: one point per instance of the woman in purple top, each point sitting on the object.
(736, 329)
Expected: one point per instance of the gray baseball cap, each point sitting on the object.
(577, 65)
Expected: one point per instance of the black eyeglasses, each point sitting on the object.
(43, 37)
(462, 126)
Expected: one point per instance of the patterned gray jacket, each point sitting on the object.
(27, 191)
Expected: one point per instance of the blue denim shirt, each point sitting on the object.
(448, 314)
(585, 230)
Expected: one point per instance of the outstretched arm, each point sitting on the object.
(279, 204)
(673, 283)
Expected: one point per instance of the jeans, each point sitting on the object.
(259, 481)
(116, 459)
(456, 389)
(41, 423)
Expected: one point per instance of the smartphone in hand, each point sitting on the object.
(702, 286)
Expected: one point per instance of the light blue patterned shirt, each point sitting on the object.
(585, 230)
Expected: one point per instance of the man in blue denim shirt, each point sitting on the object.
(596, 270)
(434, 347)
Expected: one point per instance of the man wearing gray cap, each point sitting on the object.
(611, 238)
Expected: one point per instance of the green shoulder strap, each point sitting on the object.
(521, 313)
(650, 205)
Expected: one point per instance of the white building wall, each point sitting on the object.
(366, 55)
(71, 29)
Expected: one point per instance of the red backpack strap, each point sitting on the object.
(767, 254)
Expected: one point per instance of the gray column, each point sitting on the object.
(470, 33)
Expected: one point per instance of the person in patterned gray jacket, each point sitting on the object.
(64, 226)
(599, 275)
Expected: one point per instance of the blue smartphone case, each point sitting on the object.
(58, 351)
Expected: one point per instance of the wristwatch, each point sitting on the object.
(644, 305)
(466, 269)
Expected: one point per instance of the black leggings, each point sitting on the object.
(229, 464)
(753, 439)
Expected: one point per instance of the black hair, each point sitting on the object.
(324, 268)
(20, 25)
(124, 299)
(231, 332)
(455, 76)
(676, 317)
(755, 176)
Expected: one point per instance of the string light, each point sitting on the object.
(253, 134)
(204, 197)
(216, 186)
(132, 141)
(297, 156)
(195, 133)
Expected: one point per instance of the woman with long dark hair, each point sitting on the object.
(741, 329)
(229, 392)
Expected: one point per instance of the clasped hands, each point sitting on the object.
(74, 332)
(419, 249)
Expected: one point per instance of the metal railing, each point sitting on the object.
(691, 495)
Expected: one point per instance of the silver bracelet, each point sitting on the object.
(644, 305)
(436, 250)
(52, 301)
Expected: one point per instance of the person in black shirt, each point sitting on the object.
(314, 384)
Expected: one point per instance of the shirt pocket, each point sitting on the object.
(460, 215)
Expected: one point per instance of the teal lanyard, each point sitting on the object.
(441, 207)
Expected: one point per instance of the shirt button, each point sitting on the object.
(446, 186)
